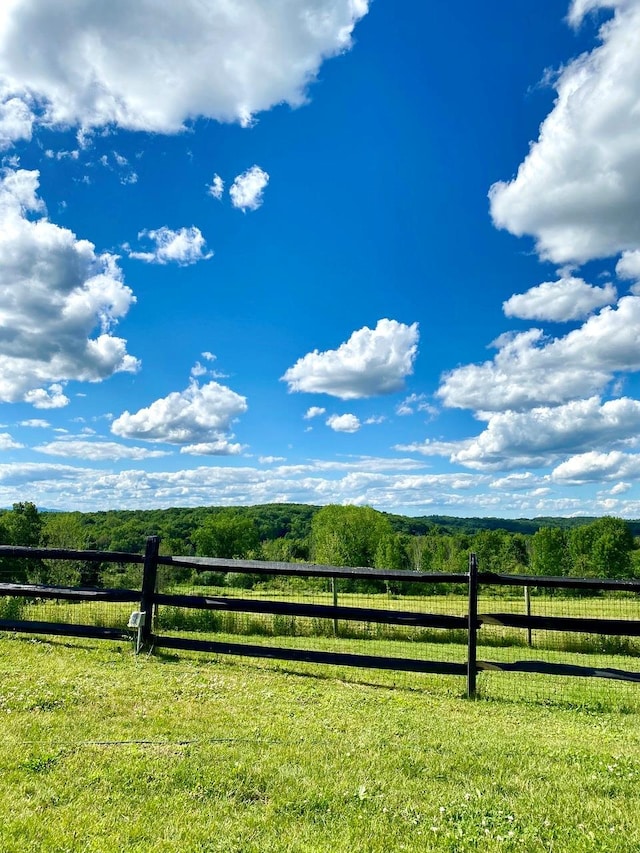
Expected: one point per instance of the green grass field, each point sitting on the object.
(103, 751)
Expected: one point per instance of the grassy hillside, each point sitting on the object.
(105, 752)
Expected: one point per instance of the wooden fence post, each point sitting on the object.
(527, 610)
(334, 590)
(149, 575)
(472, 640)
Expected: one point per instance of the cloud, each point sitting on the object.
(314, 412)
(35, 423)
(415, 403)
(198, 418)
(221, 447)
(183, 247)
(542, 435)
(569, 298)
(199, 370)
(97, 450)
(343, 423)
(16, 118)
(620, 488)
(247, 188)
(580, 8)
(371, 362)
(157, 65)
(530, 370)
(595, 467)
(515, 481)
(52, 397)
(63, 155)
(59, 302)
(382, 482)
(628, 267)
(217, 187)
(7, 442)
(578, 189)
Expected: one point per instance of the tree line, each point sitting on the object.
(330, 535)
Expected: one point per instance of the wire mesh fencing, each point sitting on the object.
(559, 640)
(365, 624)
(579, 647)
(68, 593)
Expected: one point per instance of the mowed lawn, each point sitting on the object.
(102, 751)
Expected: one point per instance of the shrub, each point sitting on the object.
(209, 578)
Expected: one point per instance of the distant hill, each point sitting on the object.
(124, 529)
(452, 524)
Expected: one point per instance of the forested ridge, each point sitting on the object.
(332, 535)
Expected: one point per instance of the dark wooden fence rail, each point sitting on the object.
(148, 599)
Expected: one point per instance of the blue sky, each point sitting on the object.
(322, 251)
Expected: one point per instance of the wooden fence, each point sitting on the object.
(147, 599)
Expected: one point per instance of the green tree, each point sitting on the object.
(347, 535)
(514, 554)
(391, 552)
(488, 546)
(22, 526)
(445, 552)
(602, 548)
(550, 554)
(419, 554)
(284, 550)
(64, 530)
(227, 535)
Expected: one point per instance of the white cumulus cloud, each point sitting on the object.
(183, 247)
(596, 466)
(530, 370)
(373, 361)
(343, 423)
(314, 412)
(578, 189)
(16, 119)
(569, 298)
(59, 302)
(247, 188)
(540, 436)
(8, 443)
(198, 418)
(52, 397)
(628, 267)
(156, 64)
